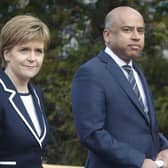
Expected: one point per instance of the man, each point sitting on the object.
(111, 101)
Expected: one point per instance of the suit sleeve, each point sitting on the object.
(164, 141)
(89, 109)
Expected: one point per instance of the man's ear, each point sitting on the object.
(106, 35)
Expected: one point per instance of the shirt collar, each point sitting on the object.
(118, 60)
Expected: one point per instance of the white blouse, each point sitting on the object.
(30, 107)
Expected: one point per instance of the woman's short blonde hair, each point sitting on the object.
(22, 28)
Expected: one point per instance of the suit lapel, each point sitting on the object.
(22, 111)
(40, 113)
(120, 78)
(148, 95)
(39, 109)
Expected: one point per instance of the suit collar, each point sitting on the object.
(117, 73)
(18, 106)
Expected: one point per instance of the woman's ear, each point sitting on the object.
(6, 55)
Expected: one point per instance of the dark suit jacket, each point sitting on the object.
(109, 118)
(20, 145)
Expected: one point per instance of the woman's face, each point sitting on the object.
(24, 60)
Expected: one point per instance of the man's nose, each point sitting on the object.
(135, 35)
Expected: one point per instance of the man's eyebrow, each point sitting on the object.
(133, 26)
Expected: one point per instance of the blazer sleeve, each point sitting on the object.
(89, 109)
(0, 120)
(1, 115)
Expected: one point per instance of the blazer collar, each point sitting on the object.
(117, 73)
(18, 106)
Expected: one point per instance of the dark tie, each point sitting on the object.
(133, 83)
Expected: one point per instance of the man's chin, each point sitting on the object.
(136, 55)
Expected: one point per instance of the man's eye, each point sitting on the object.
(126, 29)
(141, 30)
(23, 49)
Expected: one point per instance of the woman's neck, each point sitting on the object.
(20, 84)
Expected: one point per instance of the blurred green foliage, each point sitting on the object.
(76, 35)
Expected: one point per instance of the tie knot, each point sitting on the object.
(127, 68)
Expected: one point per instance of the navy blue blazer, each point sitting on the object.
(109, 119)
(20, 145)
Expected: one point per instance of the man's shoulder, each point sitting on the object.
(95, 60)
(93, 67)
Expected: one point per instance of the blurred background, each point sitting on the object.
(76, 35)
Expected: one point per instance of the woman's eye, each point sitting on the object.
(23, 50)
(39, 51)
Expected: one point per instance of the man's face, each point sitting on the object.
(126, 36)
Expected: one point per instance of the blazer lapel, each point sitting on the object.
(120, 78)
(39, 110)
(22, 112)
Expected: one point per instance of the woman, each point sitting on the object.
(23, 124)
